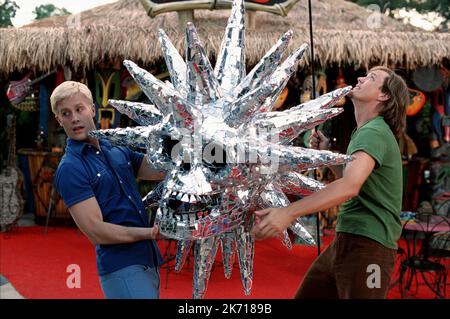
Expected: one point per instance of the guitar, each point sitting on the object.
(418, 100)
(11, 202)
(18, 90)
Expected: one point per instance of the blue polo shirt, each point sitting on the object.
(109, 175)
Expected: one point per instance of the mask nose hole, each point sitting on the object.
(185, 166)
(169, 146)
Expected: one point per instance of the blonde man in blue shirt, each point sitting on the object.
(97, 182)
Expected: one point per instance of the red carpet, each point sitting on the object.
(36, 265)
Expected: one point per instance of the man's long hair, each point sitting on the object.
(394, 109)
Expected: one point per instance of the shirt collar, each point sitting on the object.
(78, 147)
(372, 119)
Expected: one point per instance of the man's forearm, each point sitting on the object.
(334, 194)
(106, 233)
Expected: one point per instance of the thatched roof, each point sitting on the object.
(122, 30)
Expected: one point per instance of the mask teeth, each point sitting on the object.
(185, 198)
(178, 196)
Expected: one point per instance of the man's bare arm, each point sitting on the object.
(272, 221)
(89, 219)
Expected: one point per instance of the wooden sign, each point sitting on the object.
(155, 7)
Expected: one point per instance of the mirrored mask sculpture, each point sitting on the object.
(225, 153)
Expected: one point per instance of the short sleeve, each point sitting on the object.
(136, 160)
(72, 183)
(370, 141)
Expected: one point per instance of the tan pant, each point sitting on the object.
(353, 267)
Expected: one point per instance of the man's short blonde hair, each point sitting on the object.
(67, 89)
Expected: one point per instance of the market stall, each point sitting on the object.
(90, 46)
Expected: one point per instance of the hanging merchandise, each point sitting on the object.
(11, 179)
(44, 102)
(67, 73)
(438, 100)
(446, 127)
(446, 118)
(18, 90)
(105, 90)
(447, 101)
(407, 146)
(418, 100)
(63, 74)
(427, 79)
(59, 76)
(29, 104)
(423, 124)
(130, 89)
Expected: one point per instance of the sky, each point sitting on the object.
(24, 14)
(427, 21)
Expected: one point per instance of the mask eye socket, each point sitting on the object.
(162, 150)
(214, 157)
(170, 147)
(171, 150)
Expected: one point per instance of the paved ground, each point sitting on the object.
(26, 220)
(7, 291)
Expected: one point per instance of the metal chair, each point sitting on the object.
(422, 261)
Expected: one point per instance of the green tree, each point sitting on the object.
(49, 10)
(442, 7)
(8, 10)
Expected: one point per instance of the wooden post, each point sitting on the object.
(184, 17)
(250, 20)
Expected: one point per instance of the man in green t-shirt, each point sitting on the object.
(360, 260)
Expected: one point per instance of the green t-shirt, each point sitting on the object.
(375, 212)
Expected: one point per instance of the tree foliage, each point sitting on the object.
(49, 10)
(8, 10)
(442, 7)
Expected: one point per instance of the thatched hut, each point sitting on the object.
(345, 34)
